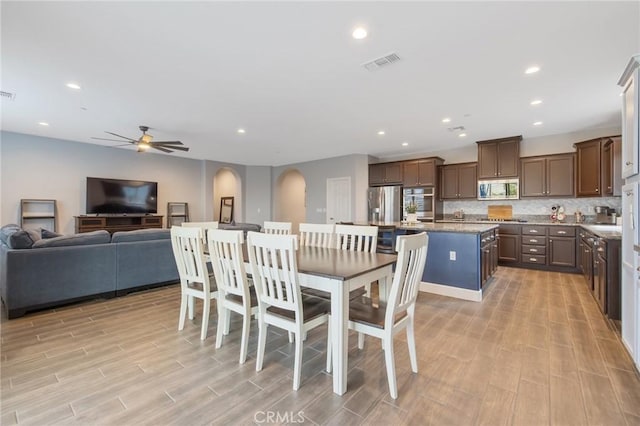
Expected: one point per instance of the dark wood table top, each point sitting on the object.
(337, 264)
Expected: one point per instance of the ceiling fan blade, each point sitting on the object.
(177, 148)
(167, 143)
(113, 140)
(161, 149)
(123, 137)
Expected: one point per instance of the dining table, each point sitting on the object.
(337, 272)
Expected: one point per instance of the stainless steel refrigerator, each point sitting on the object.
(385, 204)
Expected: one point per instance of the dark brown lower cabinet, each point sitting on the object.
(508, 248)
(600, 282)
(562, 251)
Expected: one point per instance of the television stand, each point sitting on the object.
(114, 223)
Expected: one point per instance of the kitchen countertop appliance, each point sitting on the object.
(605, 214)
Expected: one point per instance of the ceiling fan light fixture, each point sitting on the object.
(146, 138)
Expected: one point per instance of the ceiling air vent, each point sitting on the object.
(381, 62)
(456, 129)
(7, 95)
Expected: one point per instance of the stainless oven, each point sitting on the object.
(424, 200)
(506, 189)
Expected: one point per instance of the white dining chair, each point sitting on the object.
(195, 283)
(202, 225)
(281, 304)
(385, 320)
(317, 235)
(234, 292)
(357, 238)
(279, 228)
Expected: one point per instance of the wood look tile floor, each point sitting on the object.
(536, 351)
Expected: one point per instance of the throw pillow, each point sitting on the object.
(23, 239)
(45, 233)
(6, 231)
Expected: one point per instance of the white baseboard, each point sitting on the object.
(447, 290)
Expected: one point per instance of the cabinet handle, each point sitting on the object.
(628, 163)
(533, 241)
(533, 250)
(550, 240)
(533, 259)
(597, 190)
(533, 231)
(562, 232)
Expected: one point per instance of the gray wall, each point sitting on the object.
(38, 167)
(316, 174)
(258, 194)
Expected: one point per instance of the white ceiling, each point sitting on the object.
(291, 74)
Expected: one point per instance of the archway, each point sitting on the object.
(290, 205)
(227, 183)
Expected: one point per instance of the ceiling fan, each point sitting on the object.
(144, 142)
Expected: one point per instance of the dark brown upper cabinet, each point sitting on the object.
(547, 176)
(420, 172)
(499, 158)
(385, 174)
(459, 181)
(599, 172)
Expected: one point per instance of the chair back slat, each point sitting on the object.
(275, 269)
(412, 256)
(188, 251)
(317, 235)
(278, 228)
(357, 238)
(202, 225)
(225, 248)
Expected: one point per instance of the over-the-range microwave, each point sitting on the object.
(506, 189)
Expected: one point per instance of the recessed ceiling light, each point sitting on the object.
(74, 86)
(538, 123)
(241, 131)
(405, 143)
(446, 120)
(532, 70)
(42, 123)
(536, 102)
(462, 135)
(381, 132)
(359, 33)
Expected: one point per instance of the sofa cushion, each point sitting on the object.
(17, 238)
(141, 235)
(84, 239)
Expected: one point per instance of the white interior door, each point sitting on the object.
(339, 199)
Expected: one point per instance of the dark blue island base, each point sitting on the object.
(460, 259)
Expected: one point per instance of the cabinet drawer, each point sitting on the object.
(534, 230)
(562, 231)
(509, 229)
(526, 249)
(534, 240)
(534, 258)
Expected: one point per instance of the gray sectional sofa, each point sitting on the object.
(38, 272)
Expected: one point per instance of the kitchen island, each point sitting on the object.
(461, 257)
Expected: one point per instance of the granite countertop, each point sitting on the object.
(610, 232)
(471, 228)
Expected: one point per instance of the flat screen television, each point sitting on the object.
(117, 196)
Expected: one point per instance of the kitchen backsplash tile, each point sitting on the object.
(535, 206)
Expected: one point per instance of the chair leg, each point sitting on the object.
(391, 366)
(297, 364)
(246, 322)
(183, 311)
(221, 320)
(262, 341)
(329, 359)
(411, 341)
(360, 341)
(227, 322)
(191, 307)
(206, 307)
(367, 288)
